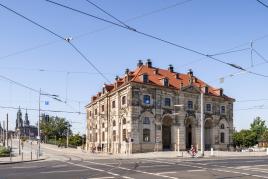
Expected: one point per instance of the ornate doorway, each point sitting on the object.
(166, 133)
(188, 133)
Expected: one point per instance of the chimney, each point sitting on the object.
(140, 63)
(116, 78)
(171, 68)
(221, 92)
(190, 72)
(149, 63)
(127, 71)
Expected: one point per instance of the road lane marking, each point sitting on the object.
(161, 173)
(101, 178)
(57, 166)
(202, 170)
(219, 170)
(151, 166)
(64, 171)
(25, 167)
(138, 171)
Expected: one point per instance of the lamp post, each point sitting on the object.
(39, 114)
(202, 122)
(177, 105)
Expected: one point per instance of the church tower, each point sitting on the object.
(26, 119)
(19, 121)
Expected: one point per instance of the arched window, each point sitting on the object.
(114, 123)
(146, 135)
(146, 120)
(124, 121)
(222, 126)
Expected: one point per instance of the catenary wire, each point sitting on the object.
(59, 36)
(265, 5)
(155, 37)
(97, 30)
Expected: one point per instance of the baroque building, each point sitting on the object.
(153, 109)
(23, 128)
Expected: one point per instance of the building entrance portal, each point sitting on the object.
(166, 133)
(188, 134)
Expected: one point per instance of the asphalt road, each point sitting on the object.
(77, 168)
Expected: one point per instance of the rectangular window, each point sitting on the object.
(146, 99)
(124, 134)
(222, 109)
(123, 100)
(167, 102)
(96, 111)
(208, 107)
(103, 136)
(113, 104)
(222, 137)
(102, 108)
(146, 135)
(103, 125)
(146, 120)
(190, 105)
(114, 135)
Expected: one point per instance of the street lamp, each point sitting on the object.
(53, 96)
(177, 105)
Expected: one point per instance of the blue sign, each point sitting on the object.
(46, 102)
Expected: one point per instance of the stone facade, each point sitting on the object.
(136, 114)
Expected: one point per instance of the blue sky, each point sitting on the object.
(209, 26)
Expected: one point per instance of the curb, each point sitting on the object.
(26, 161)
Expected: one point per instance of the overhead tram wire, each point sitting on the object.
(68, 40)
(43, 110)
(156, 38)
(262, 3)
(100, 29)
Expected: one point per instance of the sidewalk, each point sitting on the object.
(82, 154)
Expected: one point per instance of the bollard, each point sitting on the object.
(211, 151)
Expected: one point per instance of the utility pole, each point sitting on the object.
(39, 115)
(202, 122)
(67, 137)
(4, 137)
(7, 131)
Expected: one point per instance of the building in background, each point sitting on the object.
(138, 113)
(23, 128)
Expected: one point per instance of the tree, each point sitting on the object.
(75, 140)
(54, 127)
(244, 138)
(258, 127)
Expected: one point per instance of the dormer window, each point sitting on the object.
(165, 82)
(145, 78)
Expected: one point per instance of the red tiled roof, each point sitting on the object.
(155, 76)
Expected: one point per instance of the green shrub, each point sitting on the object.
(4, 152)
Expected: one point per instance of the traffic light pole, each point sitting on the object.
(39, 115)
